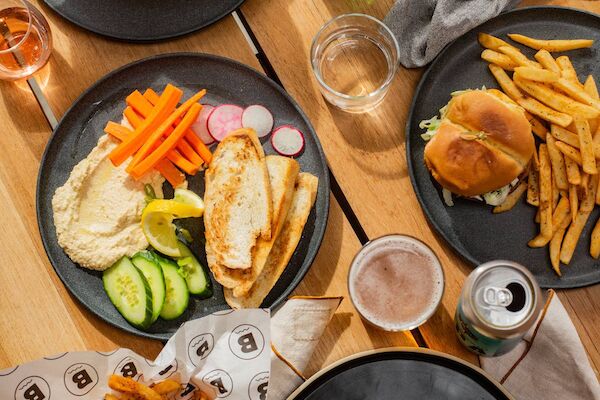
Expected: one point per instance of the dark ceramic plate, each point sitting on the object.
(407, 374)
(470, 227)
(80, 128)
(143, 20)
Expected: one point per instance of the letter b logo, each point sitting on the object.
(33, 388)
(246, 341)
(80, 379)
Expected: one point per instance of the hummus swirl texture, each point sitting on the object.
(97, 212)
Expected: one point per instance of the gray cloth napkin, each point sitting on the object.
(424, 27)
(549, 363)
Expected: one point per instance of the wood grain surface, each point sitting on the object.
(40, 318)
(367, 153)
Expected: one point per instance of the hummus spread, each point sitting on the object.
(97, 212)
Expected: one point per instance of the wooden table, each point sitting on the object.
(372, 194)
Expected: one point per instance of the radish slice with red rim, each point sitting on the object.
(287, 141)
(258, 118)
(224, 119)
(200, 128)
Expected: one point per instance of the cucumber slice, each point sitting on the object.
(177, 295)
(150, 268)
(130, 293)
(196, 276)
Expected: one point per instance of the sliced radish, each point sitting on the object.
(199, 127)
(258, 118)
(287, 141)
(224, 119)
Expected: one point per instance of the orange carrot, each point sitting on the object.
(164, 167)
(191, 137)
(144, 107)
(135, 120)
(169, 143)
(170, 172)
(164, 108)
(117, 130)
(160, 131)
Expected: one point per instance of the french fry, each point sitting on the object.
(573, 174)
(518, 57)
(511, 199)
(586, 146)
(590, 87)
(570, 152)
(536, 74)
(166, 386)
(490, 42)
(585, 180)
(576, 91)
(589, 199)
(547, 61)
(574, 200)
(537, 218)
(537, 127)
(564, 135)
(595, 241)
(544, 112)
(505, 82)
(551, 45)
(555, 250)
(109, 396)
(533, 188)
(572, 236)
(535, 161)
(561, 213)
(558, 164)
(567, 70)
(499, 59)
(545, 193)
(128, 385)
(558, 101)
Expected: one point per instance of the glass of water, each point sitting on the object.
(354, 58)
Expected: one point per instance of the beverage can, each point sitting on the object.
(499, 303)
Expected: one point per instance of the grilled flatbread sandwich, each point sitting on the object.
(283, 172)
(285, 244)
(238, 203)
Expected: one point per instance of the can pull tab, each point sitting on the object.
(494, 296)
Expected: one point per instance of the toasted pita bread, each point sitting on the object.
(285, 244)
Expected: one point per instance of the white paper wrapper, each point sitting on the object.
(226, 355)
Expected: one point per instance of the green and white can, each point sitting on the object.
(499, 303)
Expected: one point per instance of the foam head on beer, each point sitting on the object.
(396, 282)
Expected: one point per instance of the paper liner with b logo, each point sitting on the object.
(226, 355)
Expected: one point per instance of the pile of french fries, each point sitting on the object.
(564, 114)
(130, 389)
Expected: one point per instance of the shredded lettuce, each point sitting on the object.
(493, 198)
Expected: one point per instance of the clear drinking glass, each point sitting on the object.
(354, 58)
(25, 39)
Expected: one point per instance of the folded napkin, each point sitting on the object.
(423, 28)
(295, 331)
(549, 362)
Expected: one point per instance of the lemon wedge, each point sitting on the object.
(175, 208)
(160, 232)
(188, 197)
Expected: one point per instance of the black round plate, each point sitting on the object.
(143, 20)
(470, 227)
(227, 82)
(405, 373)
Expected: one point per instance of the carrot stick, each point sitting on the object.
(170, 172)
(169, 143)
(164, 167)
(164, 108)
(135, 120)
(164, 126)
(191, 137)
(144, 107)
(117, 130)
